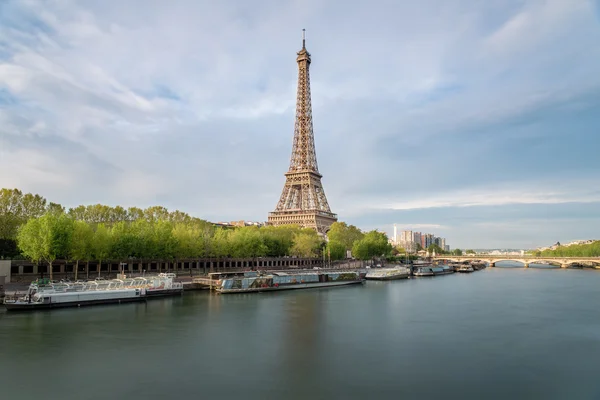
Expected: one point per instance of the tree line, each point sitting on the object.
(575, 250)
(46, 232)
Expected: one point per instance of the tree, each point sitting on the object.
(336, 250)
(278, 239)
(47, 238)
(80, 247)
(247, 241)
(16, 209)
(163, 241)
(219, 245)
(457, 252)
(307, 243)
(55, 208)
(419, 247)
(156, 213)
(373, 244)
(124, 242)
(345, 234)
(101, 245)
(469, 251)
(29, 240)
(435, 248)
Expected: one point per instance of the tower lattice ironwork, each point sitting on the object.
(303, 200)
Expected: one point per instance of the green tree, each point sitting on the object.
(247, 242)
(101, 244)
(29, 239)
(457, 252)
(469, 251)
(278, 239)
(307, 243)
(336, 250)
(156, 213)
(163, 241)
(435, 248)
(124, 241)
(345, 234)
(47, 238)
(55, 208)
(16, 209)
(373, 244)
(80, 247)
(219, 244)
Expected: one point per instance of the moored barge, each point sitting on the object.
(274, 281)
(46, 295)
(388, 274)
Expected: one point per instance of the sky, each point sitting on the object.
(478, 121)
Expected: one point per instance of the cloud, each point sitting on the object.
(417, 108)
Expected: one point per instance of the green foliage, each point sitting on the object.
(279, 239)
(101, 243)
(345, 234)
(336, 250)
(469, 251)
(46, 238)
(16, 208)
(80, 247)
(246, 242)
(576, 250)
(435, 248)
(44, 232)
(307, 243)
(373, 244)
(456, 252)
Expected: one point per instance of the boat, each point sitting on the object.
(48, 294)
(423, 271)
(274, 281)
(163, 285)
(465, 268)
(442, 270)
(388, 274)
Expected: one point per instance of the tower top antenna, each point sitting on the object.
(303, 38)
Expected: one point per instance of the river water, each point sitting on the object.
(499, 333)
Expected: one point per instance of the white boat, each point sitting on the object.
(163, 285)
(465, 268)
(423, 271)
(388, 274)
(65, 294)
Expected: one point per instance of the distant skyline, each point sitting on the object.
(476, 121)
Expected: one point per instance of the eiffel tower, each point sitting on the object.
(303, 200)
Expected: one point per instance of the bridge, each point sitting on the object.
(563, 262)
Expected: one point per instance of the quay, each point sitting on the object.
(27, 271)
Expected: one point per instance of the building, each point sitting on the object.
(417, 237)
(246, 223)
(302, 201)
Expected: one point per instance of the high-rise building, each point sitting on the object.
(428, 240)
(303, 200)
(417, 237)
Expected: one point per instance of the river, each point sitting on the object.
(499, 333)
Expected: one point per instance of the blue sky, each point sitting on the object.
(478, 121)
